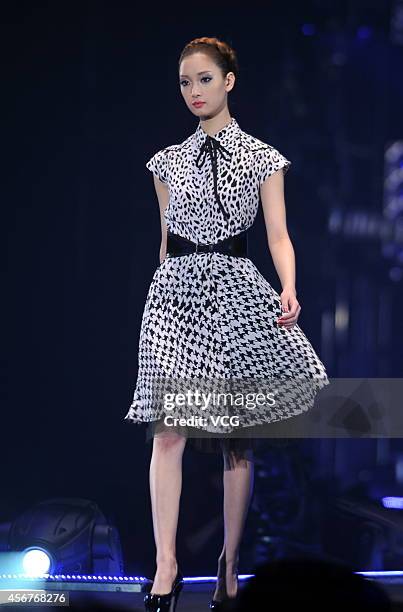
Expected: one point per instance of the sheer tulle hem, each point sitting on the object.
(206, 442)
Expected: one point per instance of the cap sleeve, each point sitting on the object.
(158, 165)
(271, 161)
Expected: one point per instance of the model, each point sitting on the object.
(209, 312)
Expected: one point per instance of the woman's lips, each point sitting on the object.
(198, 104)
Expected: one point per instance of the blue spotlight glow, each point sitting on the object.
(36, 562)
(395, 275)
(364, 32)
(308, 29)
(392, 502)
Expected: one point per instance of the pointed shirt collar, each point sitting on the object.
(227, 136)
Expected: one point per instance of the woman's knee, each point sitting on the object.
(169, 442)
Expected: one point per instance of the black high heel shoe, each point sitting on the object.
(159, 603)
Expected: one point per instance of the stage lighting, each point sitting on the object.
(36, 561)
(62, 536)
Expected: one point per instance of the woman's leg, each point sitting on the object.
(165, 489)
(238, 478)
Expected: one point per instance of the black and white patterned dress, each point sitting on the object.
(210, 314)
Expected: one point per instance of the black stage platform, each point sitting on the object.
(126, 593)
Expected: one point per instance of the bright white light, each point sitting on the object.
(36, 562)
(392, 502)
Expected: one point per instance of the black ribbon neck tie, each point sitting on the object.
(212, 147)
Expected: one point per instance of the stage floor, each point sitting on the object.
(195, 596)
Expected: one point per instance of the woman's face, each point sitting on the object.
(201, 80)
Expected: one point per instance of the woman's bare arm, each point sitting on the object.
(281, 249)
(280, 245)
(162, 192)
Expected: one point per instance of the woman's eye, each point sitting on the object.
(183, 83)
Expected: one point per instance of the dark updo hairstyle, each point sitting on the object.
(219, 51)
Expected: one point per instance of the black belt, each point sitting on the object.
(236, 245)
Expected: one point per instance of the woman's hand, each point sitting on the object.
(290, 307)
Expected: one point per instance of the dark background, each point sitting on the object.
(90, 92)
